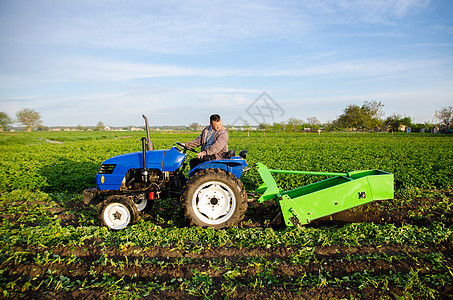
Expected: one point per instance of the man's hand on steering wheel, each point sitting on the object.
(186, 148)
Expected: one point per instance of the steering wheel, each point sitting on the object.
(186, 148)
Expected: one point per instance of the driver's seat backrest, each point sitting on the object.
(230, 154)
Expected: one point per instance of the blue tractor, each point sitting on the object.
(213, 195)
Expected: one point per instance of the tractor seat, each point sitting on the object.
(230, 154)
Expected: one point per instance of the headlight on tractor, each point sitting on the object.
(107, 169)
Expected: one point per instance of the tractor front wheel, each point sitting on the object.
(214, 198)
(117, 212)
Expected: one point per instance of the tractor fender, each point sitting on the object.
(234, 166)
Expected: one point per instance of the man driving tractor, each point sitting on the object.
(213, 141)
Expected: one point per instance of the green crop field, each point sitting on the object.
(53, 247)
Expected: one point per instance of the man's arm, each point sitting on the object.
(195, 143)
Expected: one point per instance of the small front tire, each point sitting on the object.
(117, 212)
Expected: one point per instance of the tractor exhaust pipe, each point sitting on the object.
(144, 170)
(149, 145)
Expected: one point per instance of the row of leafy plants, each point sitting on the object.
(41, 256)
(416, 161)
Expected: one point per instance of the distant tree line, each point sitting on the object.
(31, 119)
(367, 117)
(26, 116)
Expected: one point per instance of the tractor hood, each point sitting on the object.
(164, 160)
(114, 169)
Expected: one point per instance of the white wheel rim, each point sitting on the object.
(116, 216)
(213, 203)
(142, 204)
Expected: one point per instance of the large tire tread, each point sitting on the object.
(223, 176)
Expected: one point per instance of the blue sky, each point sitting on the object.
(81, 62)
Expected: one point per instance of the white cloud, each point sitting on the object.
(184, 26)
(367, 11)
(444, 28)
(92, 69)
(158, 26)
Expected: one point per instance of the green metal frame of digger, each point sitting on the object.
(341, 192)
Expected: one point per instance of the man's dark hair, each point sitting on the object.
(214, 118)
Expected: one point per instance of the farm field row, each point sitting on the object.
(52, 246)
(417, 161)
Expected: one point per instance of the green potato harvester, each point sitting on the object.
(340, 192)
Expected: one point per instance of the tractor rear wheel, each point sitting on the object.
(214, 198)
(117, 212)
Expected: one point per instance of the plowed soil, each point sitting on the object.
(276, 272)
